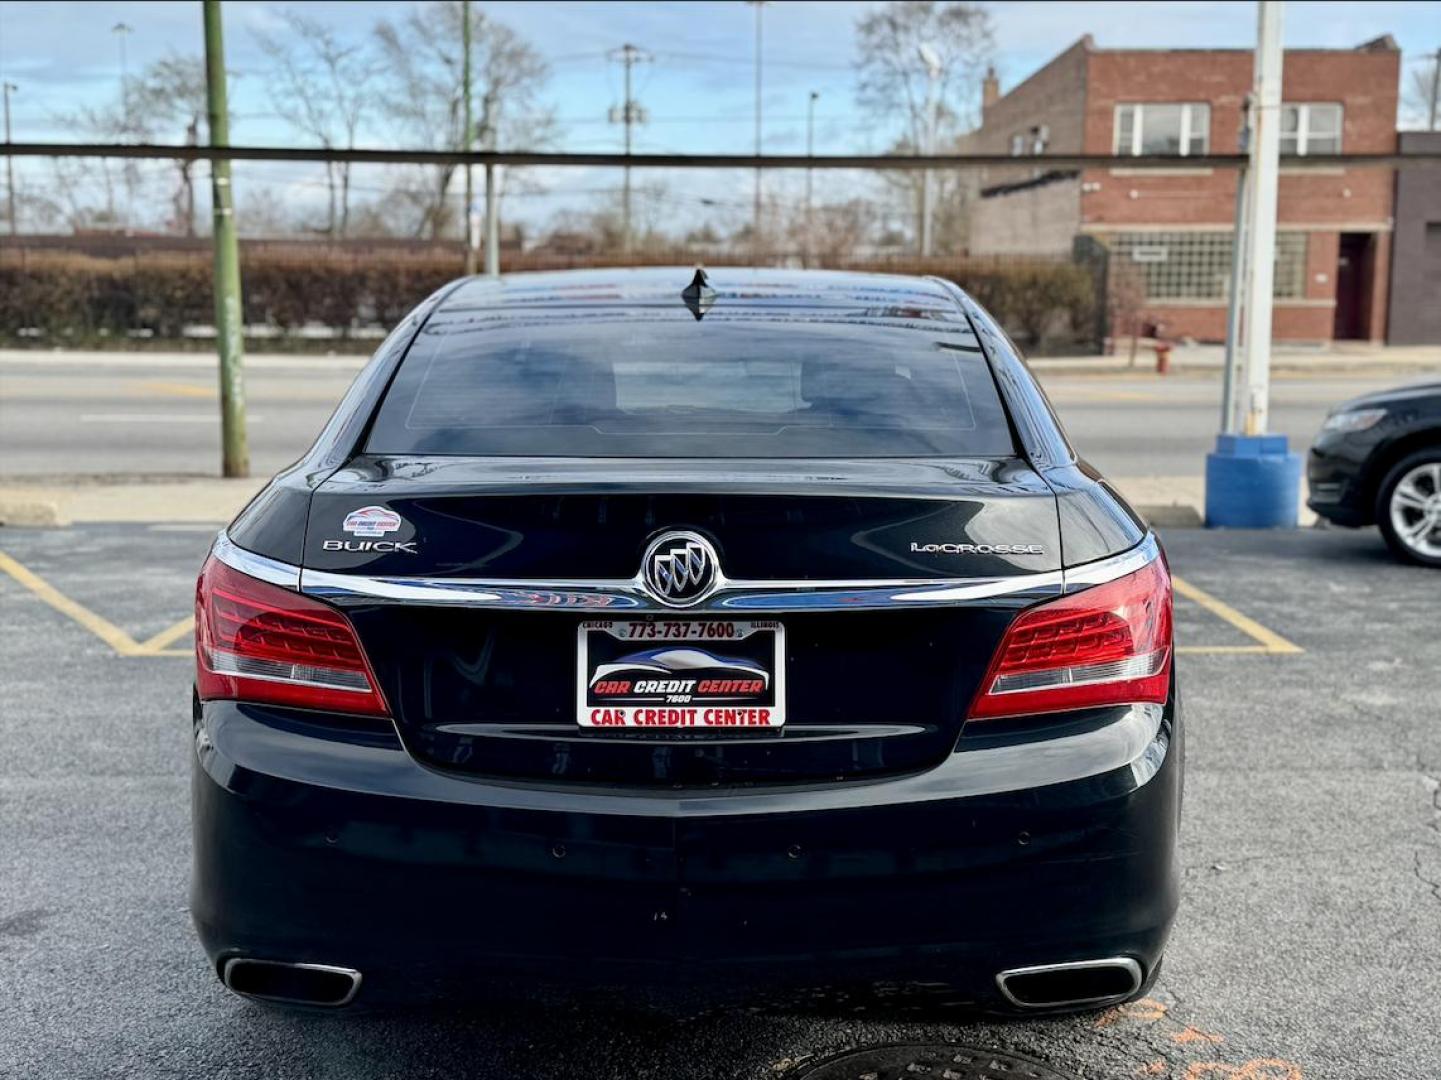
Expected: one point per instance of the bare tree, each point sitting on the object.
(422, 55)
(901, 47)
(168, 94)
(323, 87)
(1422, 91)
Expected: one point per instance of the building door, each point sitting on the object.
(1353, 287)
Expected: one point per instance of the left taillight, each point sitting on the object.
(258, 642)
(1109, 644)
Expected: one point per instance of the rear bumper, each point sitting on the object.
(345, 851)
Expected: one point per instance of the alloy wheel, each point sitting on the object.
(1416, 509)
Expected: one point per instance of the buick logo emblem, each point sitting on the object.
(679, 568)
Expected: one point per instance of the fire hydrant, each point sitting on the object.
(1163, 357)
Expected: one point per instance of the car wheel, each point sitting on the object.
(1408, 507)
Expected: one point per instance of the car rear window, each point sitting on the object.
(672, 387)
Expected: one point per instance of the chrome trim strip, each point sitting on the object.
(1114, 566)
(256, 566)
(630, 594)
(330, 969)
(1130, 966)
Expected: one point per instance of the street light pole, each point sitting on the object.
(810, 153)
(229, 314)
(122, 31)
(1238, 278)
(10, 88)
(1253, 480)
(1262, 182)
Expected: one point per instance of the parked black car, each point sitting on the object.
(1377, 461)
(631, 627)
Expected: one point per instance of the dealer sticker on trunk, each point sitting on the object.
(698, 674)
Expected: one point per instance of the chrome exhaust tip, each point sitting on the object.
(1074, 984)
(288, 983)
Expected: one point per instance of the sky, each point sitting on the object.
(698, 89)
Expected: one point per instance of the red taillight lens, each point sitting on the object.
(1107, 645)
(258, 642)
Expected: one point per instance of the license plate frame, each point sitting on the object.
(731, 704)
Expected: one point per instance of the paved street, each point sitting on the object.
(1305, 946)
(129, 414)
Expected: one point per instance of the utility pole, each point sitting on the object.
(229, 314)
(810, 153)
(759, 5)
(9, 89)
(468, 140)
(1262, 181)
(932, 60)
(629, 114)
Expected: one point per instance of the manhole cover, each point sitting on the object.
(932, 1062)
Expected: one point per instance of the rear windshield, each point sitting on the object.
(674, 387)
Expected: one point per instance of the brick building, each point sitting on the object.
(1169, 232)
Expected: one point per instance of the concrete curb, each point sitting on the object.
(77, 500)
(31, 513)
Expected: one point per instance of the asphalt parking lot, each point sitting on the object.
(1307, 944)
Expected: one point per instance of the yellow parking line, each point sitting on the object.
(155, 646)
(1226, 649)
(102, 628)
(174, 389)
(1269, 641)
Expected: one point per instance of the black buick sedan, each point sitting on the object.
(1377, 461)
(641, 628)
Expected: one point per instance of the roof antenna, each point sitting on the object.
(698, 295)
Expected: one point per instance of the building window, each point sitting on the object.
(1197, 265)
(1310, 129)
(1177, 129)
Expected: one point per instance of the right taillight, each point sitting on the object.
(1109, 644)
(258, 642)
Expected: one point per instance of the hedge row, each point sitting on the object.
(49, 295)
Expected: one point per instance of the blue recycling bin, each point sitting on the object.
(1252, 482)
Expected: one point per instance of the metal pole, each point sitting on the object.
(229, 315)
(1233, 312)
(468, 138)
(932, 60)
(810, 152)
(10, 88)
(1263, 176)
(1238, 277)
(926, 210)
(492, 223)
